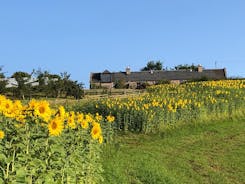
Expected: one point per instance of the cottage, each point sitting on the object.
(107, 79)
(12, 83)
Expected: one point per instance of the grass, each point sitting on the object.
(212, 152)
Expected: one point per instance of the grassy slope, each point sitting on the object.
(203, 153)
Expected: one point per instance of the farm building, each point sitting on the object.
(108, 79)
(12, 83)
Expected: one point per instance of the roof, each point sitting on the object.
(158, 75)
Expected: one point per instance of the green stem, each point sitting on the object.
(28, 138)
(63, 175)
(13, 160)
(7, 171)
(47, 147)
(30, 179)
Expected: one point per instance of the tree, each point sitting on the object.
(23, 87)
(54, 85)
(50, 85)
(70, 87)
(62, 85)
(186, 67)
(75, 89)
(43, 78)
(2, 81)
(152, 65)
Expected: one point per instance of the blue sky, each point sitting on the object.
(90, 36)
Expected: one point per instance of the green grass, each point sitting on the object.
(213, 152)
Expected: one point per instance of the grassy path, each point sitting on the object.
(202, 153)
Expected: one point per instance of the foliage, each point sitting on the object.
(56, 86)
(23, 87)
(187, 67)
(153, 65)
(49, 85)
(120, 84)
(142, 85)
(2, 81)
(1, 73)
(163, 82)
(39, 144)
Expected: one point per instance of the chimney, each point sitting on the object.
(128, 71)
(199, 68)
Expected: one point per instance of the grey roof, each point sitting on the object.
(158, 75)
(11, 82)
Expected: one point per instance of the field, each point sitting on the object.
(198, 153)
(189, 133)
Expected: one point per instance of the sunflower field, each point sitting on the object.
(39, 144)
(165, 106)
(42, 144)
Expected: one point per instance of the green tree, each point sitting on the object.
(75, 89)
(23, 86)
(152, 65)
(54, 85)
(70, 87)
(42, 77)
(2, 81)
(192, 67)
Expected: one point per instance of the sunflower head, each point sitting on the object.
(43, 110)
(80, 117)
(8, 108)
(71, 120)
(32, 104)
(100, 139)
(2, 134)
(96, 131)
(98, 117)
(84, 124)
(61, 112)
(55, 127)
(110, 118)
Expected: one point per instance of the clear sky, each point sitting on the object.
(81, 36)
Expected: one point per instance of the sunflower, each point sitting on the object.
(18, 110)
(89, 117)
(32, 104)
(110, 118)
(100, 139)
(2, 134)
(98, 117)
(7, 108)
(83, 122)
(43, 110)
(2, 102)
(55, 127)
(61, 112)
(80, 117)
(71, 120)
(96, 131)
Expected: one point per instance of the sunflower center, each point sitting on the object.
(95, 131)
(41, 109)
(54, 125)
